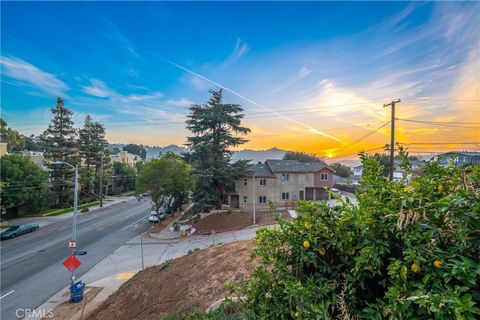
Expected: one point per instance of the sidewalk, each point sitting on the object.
(45, 220)
(123, 263)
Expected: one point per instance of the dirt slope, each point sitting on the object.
(191, 282)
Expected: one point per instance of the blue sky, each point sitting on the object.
(317, 70)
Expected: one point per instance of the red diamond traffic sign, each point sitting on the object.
(72, 263)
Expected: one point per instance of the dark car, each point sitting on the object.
(14, 231)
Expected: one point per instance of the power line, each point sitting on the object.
(437, 122)
(356, 153)
(365, 136)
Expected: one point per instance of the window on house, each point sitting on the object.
(244, 199)
(323, 176)
(284, 195)
(245, 182)
(262, 182)
(285, 176)
(262, 199)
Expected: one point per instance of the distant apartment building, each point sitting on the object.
(36, 157)
(459, 159)
(125, 157)
(283, 182)
(3, 148)
(357, 171)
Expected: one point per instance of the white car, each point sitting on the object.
(153, 217)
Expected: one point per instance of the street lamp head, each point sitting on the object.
(62, 162)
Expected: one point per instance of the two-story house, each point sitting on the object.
(283, 182)
(459, 159)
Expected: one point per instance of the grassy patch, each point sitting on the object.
(165, 265)
(57, 212)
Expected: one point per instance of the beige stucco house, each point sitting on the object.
(283, 182)
(125, 157)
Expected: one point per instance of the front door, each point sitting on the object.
(235, 202)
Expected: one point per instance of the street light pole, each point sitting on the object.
(75, 206)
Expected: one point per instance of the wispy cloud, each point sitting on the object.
(302, 73)
(182, 102)
(98, 88)
(240, 50)
(30, 75)
(147, 106)
(314, 130)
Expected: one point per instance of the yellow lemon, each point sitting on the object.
(297, 315)
(306, 244)
(321, 252)
(437, 264)
(307, 225)
(415, 268)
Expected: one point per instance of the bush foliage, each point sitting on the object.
(405, 251)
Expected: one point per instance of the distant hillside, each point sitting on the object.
(259, 155)
(155, 151)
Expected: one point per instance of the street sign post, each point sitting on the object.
(72, 244)
(72, 263)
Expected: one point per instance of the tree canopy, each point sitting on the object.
(137, 149)
(15, 141)
(216, 127)
(165, 179)
(61, 139)
(342, 170)
(93, 148)
(301, 156)
(22, 183)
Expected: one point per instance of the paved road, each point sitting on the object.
(31, 265)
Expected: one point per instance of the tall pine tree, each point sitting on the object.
(60, 139)
(215, 127)
(93, 147)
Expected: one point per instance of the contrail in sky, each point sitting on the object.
(311, 129)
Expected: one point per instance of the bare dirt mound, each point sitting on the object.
(186, 284)
(220, 222)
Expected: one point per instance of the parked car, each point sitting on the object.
(336, 192)
(153, 217)
(168, 210)
(14, 231)
(162, 215)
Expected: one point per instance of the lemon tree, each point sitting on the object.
(406, 251)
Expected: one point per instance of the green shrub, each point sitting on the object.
(165, 265)
(85, 210)
(404, 252)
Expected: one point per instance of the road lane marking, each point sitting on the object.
(6, 294)
(131, 224)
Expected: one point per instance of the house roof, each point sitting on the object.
(296, 166)
(270, 167)
(262, 170)
(468, 154)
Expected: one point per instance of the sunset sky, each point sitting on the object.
(311, 76)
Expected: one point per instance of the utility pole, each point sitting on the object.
(254, 199)
(392, 136)
(101, 180)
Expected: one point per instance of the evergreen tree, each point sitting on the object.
(215, 127)
(93, 148)
(15, 141)
(60, 139)
(137, 149)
